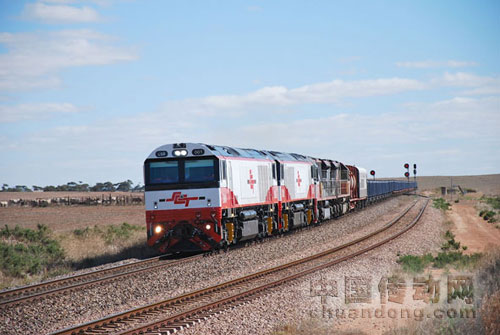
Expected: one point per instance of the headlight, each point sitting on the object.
(158, 229)
(180, 153)
(207, 227)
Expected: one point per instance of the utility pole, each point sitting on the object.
(451, 188)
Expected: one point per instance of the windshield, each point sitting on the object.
(164, 172)
(199, 170)
(181, 171)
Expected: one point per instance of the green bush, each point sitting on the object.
(451, 255)
(455, 258)
(440, 203)
(26, 251)
(493, 201)
(415, 264)
(450, 244)
(489, 215)
(122, 232)
(84, 232)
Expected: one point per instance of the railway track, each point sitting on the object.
(97, 277)
(167, 316)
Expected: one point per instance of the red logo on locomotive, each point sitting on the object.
(251, 181)
(178, 199)
(298, 178)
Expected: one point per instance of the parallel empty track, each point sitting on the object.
(97, 277)
(166, 316)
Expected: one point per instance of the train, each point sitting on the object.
(201, 197)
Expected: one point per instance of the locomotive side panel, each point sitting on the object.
(251, 181)
(298, 182)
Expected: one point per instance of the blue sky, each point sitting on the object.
(88, 88)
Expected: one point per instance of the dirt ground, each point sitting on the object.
(67, 218)
(471, 230)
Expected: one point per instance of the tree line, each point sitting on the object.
(124, 186)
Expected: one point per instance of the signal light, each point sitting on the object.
(407, 166)
(414, 166)
(407, 174)
(372, 172)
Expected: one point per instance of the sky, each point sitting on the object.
(88, 88)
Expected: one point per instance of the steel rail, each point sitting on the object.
(57, 286)
(116, 320)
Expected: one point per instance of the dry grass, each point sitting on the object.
(94, 242)
(87, 247)
(68, 218)
(313, 326)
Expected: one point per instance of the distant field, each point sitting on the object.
(67, 218)
(48, 195)
(487, 184)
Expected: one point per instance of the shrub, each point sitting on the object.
(493, 201)
(26, 251)
(489, 215)
(440, 203)
(110, 233)
(451, 255)
(122, 232)
(450, 243)
(84, 232)
(415, 264)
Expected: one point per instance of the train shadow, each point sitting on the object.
(138, 251)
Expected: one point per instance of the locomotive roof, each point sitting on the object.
(226, 151)
(201, 149)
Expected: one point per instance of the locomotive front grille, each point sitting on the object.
(183, 231)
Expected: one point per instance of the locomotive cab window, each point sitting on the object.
(181, 173)
(199, 170)
(164, 172)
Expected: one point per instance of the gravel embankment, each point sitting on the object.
(293, 304)
(93, 303)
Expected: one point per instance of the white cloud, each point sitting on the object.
(464, 121)
(59, 13)
(322, 93)
(333, 92)
(33, 59)
(479, 85)
(40, 111)
(435, 64)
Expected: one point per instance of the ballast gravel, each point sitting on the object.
(285, 305)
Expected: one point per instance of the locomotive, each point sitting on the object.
(200, 197)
